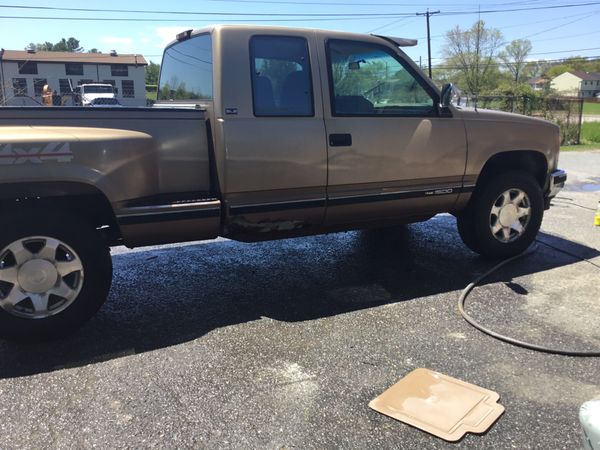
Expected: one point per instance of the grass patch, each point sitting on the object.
(579, 148)
(590, 132)
(591, 108)
(590, 138)
(151, 96)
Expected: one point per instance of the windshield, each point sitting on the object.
(186, 71)
(97, 89)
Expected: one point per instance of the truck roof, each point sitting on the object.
(401, 42)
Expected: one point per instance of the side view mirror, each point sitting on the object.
(446, 97)
(355, 65)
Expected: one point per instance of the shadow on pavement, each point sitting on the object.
(167, 296)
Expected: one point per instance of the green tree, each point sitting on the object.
(557, 70)
(450, 72)
(514, 58)
(472, 53)
(43, 47)
(519, 98)
(571, 64)
(536, 68)
(152, 73)
(174, 89)
(578, 63)
(64, 45)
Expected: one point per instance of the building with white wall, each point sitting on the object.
(538, 83)
(577, 84)
(23, 75)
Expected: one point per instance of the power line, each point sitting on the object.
(567, 37)
(544, 53)
(520, 25)
(204, 13)
(536, 61)
(532, 8)
(279, 2)
(560, 26)
(394, 22)
(215, 13)
(587, 15)
(281, 17)
(344, 3)
(566, 51)
(138, 19)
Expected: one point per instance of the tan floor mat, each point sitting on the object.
(439, 404)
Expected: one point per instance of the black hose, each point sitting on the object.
(568, 201)
(540, 348)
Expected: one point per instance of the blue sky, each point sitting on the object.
(554, 33)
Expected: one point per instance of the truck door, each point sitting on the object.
(274, 133)
(390, 153)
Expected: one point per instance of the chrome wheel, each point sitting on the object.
(39, 277)
(510, 215)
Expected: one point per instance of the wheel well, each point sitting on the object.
(84, 200)
(532, 162)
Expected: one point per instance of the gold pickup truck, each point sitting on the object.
(259, 133)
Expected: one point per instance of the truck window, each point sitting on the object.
(187, 71)
(369, 80)
(97, 89)
(281, 77)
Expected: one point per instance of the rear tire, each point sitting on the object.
(466, 229)
(504, 215)
(55, 273)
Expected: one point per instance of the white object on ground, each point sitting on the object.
(589, 416)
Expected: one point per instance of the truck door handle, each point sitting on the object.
(340, 140)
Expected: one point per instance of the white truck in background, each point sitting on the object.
(96, 94)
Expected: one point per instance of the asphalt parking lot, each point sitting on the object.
(283, 344)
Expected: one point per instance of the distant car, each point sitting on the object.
(105, 102)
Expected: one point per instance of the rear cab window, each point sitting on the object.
(187, 70)
(281, 76)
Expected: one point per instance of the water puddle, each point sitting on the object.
(588, 185)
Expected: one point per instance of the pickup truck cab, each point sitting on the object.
(259, 133)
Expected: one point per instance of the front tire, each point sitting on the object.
(504, 215)
(55, 273)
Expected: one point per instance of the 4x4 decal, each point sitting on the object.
(52, 152)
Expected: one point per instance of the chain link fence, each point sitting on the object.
(566, 112)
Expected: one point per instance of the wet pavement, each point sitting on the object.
(283, 344)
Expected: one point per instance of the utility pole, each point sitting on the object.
(428, 14)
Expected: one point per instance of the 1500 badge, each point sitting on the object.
(440, 192)
(52, 152)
